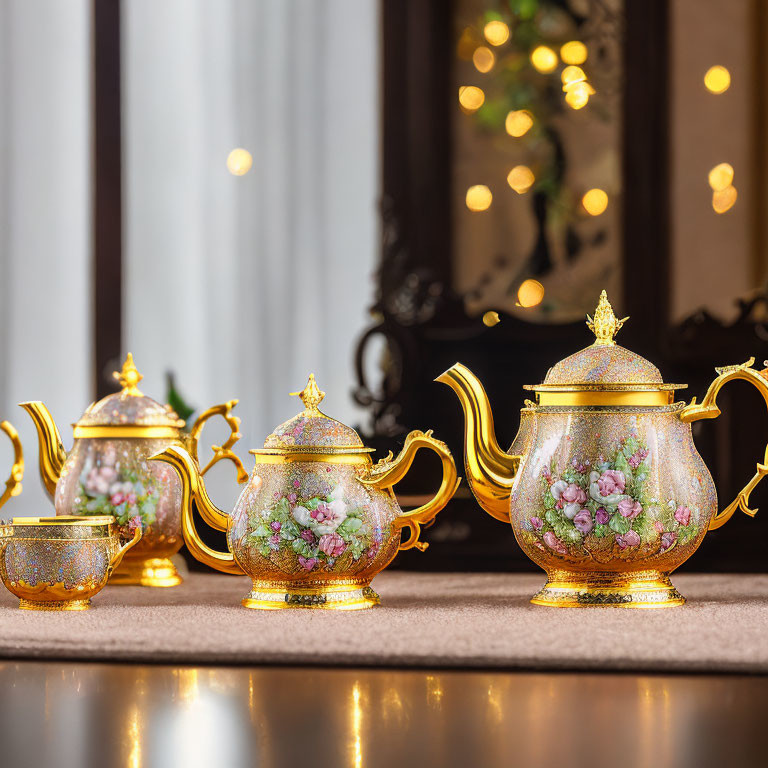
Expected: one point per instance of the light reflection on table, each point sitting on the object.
(103, 715)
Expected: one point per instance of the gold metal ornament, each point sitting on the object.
(13, 483)
(107, 471)
(60, 563)
(602, 485)
(317, 519)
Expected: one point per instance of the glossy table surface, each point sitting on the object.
(103, 715)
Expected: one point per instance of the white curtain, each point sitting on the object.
(45, 278)
(243, 285)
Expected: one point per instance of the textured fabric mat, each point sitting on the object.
(425, 620)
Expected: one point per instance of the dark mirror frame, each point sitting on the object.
(426, 328)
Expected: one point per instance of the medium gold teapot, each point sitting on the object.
(603, 485)
(107, 472)
(317, 520)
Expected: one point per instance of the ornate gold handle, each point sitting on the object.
(388, 472)
(219, 451)
(13, 483)
(707, 409)
(118, 556)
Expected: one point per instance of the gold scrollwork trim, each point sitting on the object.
(115, 432)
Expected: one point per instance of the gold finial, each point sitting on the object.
(605, 325)
(129, 377)
(311, 396)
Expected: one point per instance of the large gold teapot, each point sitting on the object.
(603, 485)
(107, 472)
(317, 519)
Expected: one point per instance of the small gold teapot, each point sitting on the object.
(317, 520)
(13, 483)
(603, 485)
(107, 472)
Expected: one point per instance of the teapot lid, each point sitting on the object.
(605, 367)
(129, 408)
(311, 431)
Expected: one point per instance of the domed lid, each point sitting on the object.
(130, 407)
(311, 431)
(605, 366)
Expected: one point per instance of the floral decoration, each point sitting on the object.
(112, 487)
(591, 506)
(318, 531)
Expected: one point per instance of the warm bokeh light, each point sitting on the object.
(483, 58)
(717, 79)
(496, 32)
(720, 177)
(577, 95)
(724, 199)
(518, 122)
(471, 97)
(479, 198)
(544, 59)
(573, 52)
(530, 293)
(239, 162)
(491, 318)
(595, 201)
(521, 179)
(571, 75)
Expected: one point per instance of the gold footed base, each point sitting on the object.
(153, 572)
(338, 597)
(54, 605)
(645, 589)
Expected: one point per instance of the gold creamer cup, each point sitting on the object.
(60, 563)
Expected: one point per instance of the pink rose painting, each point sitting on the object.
(628, 539)
(610, 482)
(593, 505)
(629, 508)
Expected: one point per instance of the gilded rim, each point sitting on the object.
(646, 590)
(114, 432)
(277, 456)
(84, 520)
(338, 597)
(54, 605)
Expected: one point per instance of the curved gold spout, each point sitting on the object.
(193, 487)
(490, 471)
(52, 453)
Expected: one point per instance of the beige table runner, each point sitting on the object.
(425, 620)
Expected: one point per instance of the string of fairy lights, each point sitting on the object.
(576, 88)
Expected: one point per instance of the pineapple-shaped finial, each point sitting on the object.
(129, 377)
(311, 396)
(605, 325)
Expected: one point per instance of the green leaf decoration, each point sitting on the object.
(301, 547)
(265, 550)
(282, 510)
(350, 525)
(290, 530)
(313, 504)
(619, 524)
(600, 531)
(356, 547)
(262, 531)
